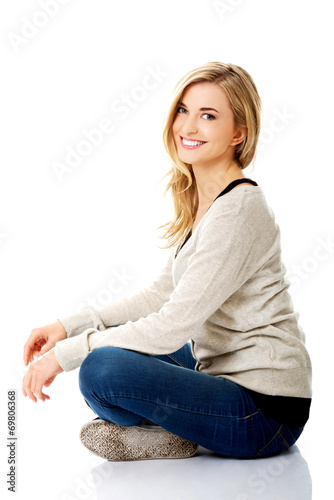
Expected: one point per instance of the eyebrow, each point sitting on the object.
(201, 109)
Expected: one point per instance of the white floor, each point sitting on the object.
(206, 476)
(202, 476)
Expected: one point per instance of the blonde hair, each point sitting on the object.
(246, 106)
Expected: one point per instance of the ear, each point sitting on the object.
(240, 134)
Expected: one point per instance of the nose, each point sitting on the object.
(188, 126)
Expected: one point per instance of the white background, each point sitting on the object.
(64, 239)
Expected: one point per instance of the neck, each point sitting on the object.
(211, 181)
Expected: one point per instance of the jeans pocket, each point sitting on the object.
(281, 440)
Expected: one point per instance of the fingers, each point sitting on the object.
(26, 387)
(36, 388)
(27, 392)
(41, 373)
(29, 384)
(31, 396)
(49, 381)
(27, 353)
(33, 345)
(29, 358)
(45, 348)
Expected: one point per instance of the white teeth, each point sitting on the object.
(191, 143)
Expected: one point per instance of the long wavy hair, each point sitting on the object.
(246, 106)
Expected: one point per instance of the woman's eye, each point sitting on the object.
(209, 117)
(181, 110)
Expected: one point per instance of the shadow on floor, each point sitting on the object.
(206, 476)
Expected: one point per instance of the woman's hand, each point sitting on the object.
(41, 340)
(41, 373)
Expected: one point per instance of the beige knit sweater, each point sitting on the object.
(225, 291)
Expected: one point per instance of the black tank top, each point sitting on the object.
(235, 183)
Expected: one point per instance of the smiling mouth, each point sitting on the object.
(190, 144)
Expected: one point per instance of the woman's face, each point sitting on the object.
(204, 130)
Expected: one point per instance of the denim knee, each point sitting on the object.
(104, 363)
(84, 373)
(91, 369)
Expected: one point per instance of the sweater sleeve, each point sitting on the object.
(141, 304)
(224, 259)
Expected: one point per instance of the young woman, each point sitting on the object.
(211, 353)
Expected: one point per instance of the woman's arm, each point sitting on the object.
(41, 340)
(139, 305)
(227, 254)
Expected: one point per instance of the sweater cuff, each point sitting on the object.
(75, 324)
(71, 352)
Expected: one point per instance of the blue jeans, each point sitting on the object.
(126, 387)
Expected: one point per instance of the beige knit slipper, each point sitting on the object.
(118, 443)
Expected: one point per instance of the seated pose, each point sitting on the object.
(211, 353)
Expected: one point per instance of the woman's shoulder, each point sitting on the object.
(243, 207)
(242, 216)
(244, 200)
